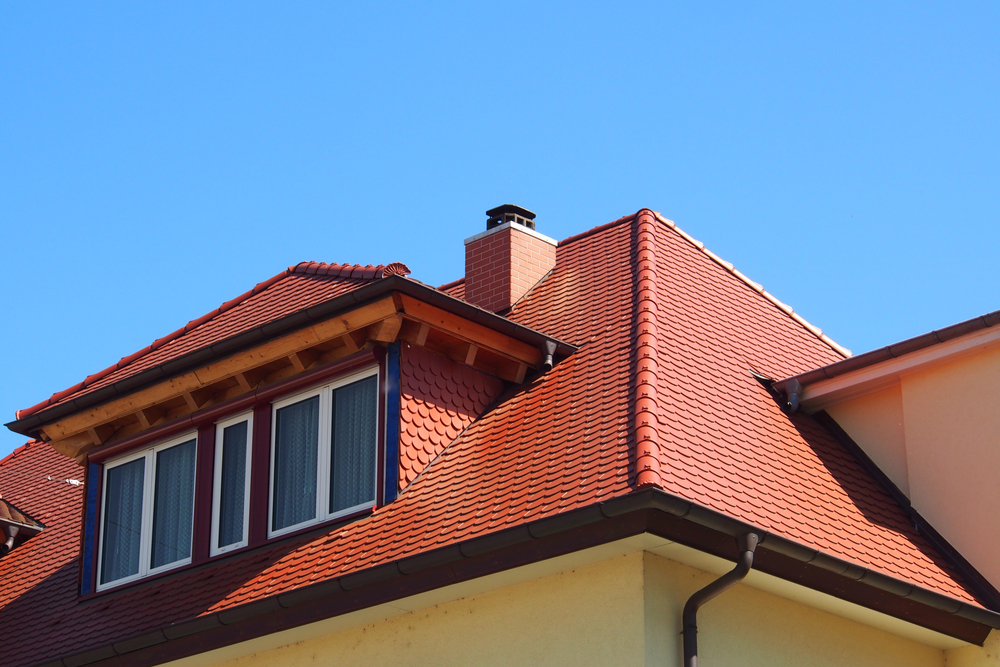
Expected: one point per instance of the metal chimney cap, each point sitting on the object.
(510, 213)
(510, 208)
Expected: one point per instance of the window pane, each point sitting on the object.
(233, 484)
(296, 437)
(173, 504)
(355, 435)
(122, 520)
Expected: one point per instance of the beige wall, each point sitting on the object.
(622, 611)
(974, 656)
(952, 424)
(936, 434)
(875, 422)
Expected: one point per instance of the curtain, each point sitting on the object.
(233, 491)
(173, 504)
(122, 520)
(295, 449)
(355, 436)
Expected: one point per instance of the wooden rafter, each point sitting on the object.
(470, 355)
(100, 434)
(244, 383)
(441, 320)
(386, 330)
(297, 362)
(220, 380)
(380, 322)
(421, 338)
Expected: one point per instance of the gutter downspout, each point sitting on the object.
(10, 532)
(747, 544)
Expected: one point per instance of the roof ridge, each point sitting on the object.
(600, 228)
(17, 452)
(645, 427)
(368, 272)
(757, 287)
(453, 283)
(356, 271)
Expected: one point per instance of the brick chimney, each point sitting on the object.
(507, 260)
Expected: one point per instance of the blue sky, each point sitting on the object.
(157, 161)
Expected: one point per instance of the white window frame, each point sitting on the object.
(220, 427)
(325, 393)
(148, 494)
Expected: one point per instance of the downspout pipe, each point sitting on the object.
(10, 532)
(747, 545)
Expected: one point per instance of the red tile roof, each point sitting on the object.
(455, 288)
(565, 440)
(40, 576)
(294, 289)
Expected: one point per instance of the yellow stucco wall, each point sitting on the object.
(623, 611)
(974, 656)
(875, 422)
(745, 626)
(588, 616)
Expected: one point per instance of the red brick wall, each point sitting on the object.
(438, 399)
(501, 267)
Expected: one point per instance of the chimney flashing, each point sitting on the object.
(507, 225)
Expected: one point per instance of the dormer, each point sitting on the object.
(307, 402)
(926, 411)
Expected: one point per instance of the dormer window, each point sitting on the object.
(313, 456)
(324, 453)
(148, 512)
(231, 486)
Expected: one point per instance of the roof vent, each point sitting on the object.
(510, 213)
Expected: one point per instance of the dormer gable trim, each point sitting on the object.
(394, 308)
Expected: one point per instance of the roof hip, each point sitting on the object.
(647, 439)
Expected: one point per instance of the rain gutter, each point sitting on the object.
(795, 386)
(649, 511)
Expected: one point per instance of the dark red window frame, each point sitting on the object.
(204, 421)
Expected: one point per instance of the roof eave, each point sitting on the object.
(30, 424)
(651, 510)
(24, 529)
(846, 379)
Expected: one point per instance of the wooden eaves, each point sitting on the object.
(392, 309)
